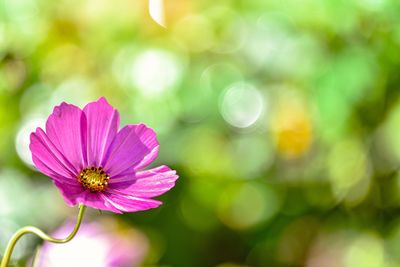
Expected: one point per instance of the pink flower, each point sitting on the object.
(98, 245)
(95, 164)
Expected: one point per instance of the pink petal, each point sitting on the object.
(147, 184)
(98, 201)
(66, 128)
(151, 156)
(126, 203)
(134, 146)
(103, 123)
(76, 194)
(73, 194)
(49, 160)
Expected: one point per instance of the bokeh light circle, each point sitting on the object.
(242, 206)
(154, 71)
(242, 105)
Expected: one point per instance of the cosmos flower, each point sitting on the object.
(94, 163)
(98, 244)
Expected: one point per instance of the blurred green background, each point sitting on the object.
(282, 118)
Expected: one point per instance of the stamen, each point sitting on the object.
(94, 179)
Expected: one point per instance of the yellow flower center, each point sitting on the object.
(94, 179)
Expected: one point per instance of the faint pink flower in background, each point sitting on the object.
(94, 163)
(97, 245)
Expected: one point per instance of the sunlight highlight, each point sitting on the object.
(156, 11)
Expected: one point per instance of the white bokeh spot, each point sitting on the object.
(242, 105)
(155, 71)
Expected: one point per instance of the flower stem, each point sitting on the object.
(41, 234)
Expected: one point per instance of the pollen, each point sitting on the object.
(94, 179)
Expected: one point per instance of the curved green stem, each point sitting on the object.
(41, 234)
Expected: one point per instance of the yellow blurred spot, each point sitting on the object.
(292, 128)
